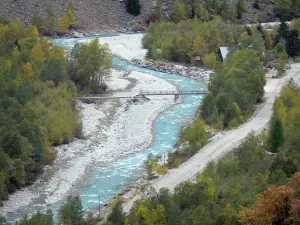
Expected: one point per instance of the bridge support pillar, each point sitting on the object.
(176, 97)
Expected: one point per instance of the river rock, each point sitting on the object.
(77, 35)
(193, 72)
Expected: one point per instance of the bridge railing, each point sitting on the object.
(173, 92)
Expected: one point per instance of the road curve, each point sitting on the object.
(229, 140)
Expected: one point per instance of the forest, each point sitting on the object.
(247, 186)
(38, 94)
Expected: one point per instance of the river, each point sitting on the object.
(106, 180)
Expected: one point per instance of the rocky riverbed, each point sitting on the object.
(193, 72)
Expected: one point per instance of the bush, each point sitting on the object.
(161, 169)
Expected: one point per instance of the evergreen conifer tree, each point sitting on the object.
(293, 43)
(276, 135)
(283, 31)
(133, 7)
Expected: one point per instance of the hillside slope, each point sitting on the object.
(105, 16)
(91, 15)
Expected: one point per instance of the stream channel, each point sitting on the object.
(106, 181)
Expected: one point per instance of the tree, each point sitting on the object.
(214, 40)
(199, 48)
(240, 8)
(273, 207)
(283, 60)
(210, 60)
(215, 7)
(179, 12)
(295, 25)
(67, 20)
(37, 20)
(181, 48)
(276, 137)
(283, 31)
(198, 10)
(28, 71)
(92, 62)
(63, 25)
(71, 213)
(150, 163)
(49, 23)
(133, 7)
(71, 13)
(195, 135)
(254, 18)
(268, 41)
(283, 9)
(117, 217)
(226, 10)
(293, 43)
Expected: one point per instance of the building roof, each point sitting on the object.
(224, 52)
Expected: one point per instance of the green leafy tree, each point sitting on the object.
(198, 9)
(67, 20)
(133, 7)
(210, 60)
(49, 23)
(240, 8)
(295, 25)
(179, 12)
(276, 135)
(226, 10)
(37, 20)
(268, 41)
(150, 163)
(71, 213)
(195, 135)
(283, 9)
(254, 18)
(92, 62)
(117, 216)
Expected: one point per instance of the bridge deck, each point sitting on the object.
(173, 92)
(143, 93)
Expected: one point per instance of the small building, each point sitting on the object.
(198, 61)
(223, 52)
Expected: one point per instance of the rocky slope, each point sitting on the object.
(105, 16)
(92, 15)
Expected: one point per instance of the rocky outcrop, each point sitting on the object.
(193, 72)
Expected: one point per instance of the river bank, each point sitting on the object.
(192, 72)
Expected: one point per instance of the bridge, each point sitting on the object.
(128, 95)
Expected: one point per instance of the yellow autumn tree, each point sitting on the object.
(28, 71)
(71, 13)
(63, 25)
(67, 19)
(35, 32)
(199, 48)
(37, 53)
(38, 58)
